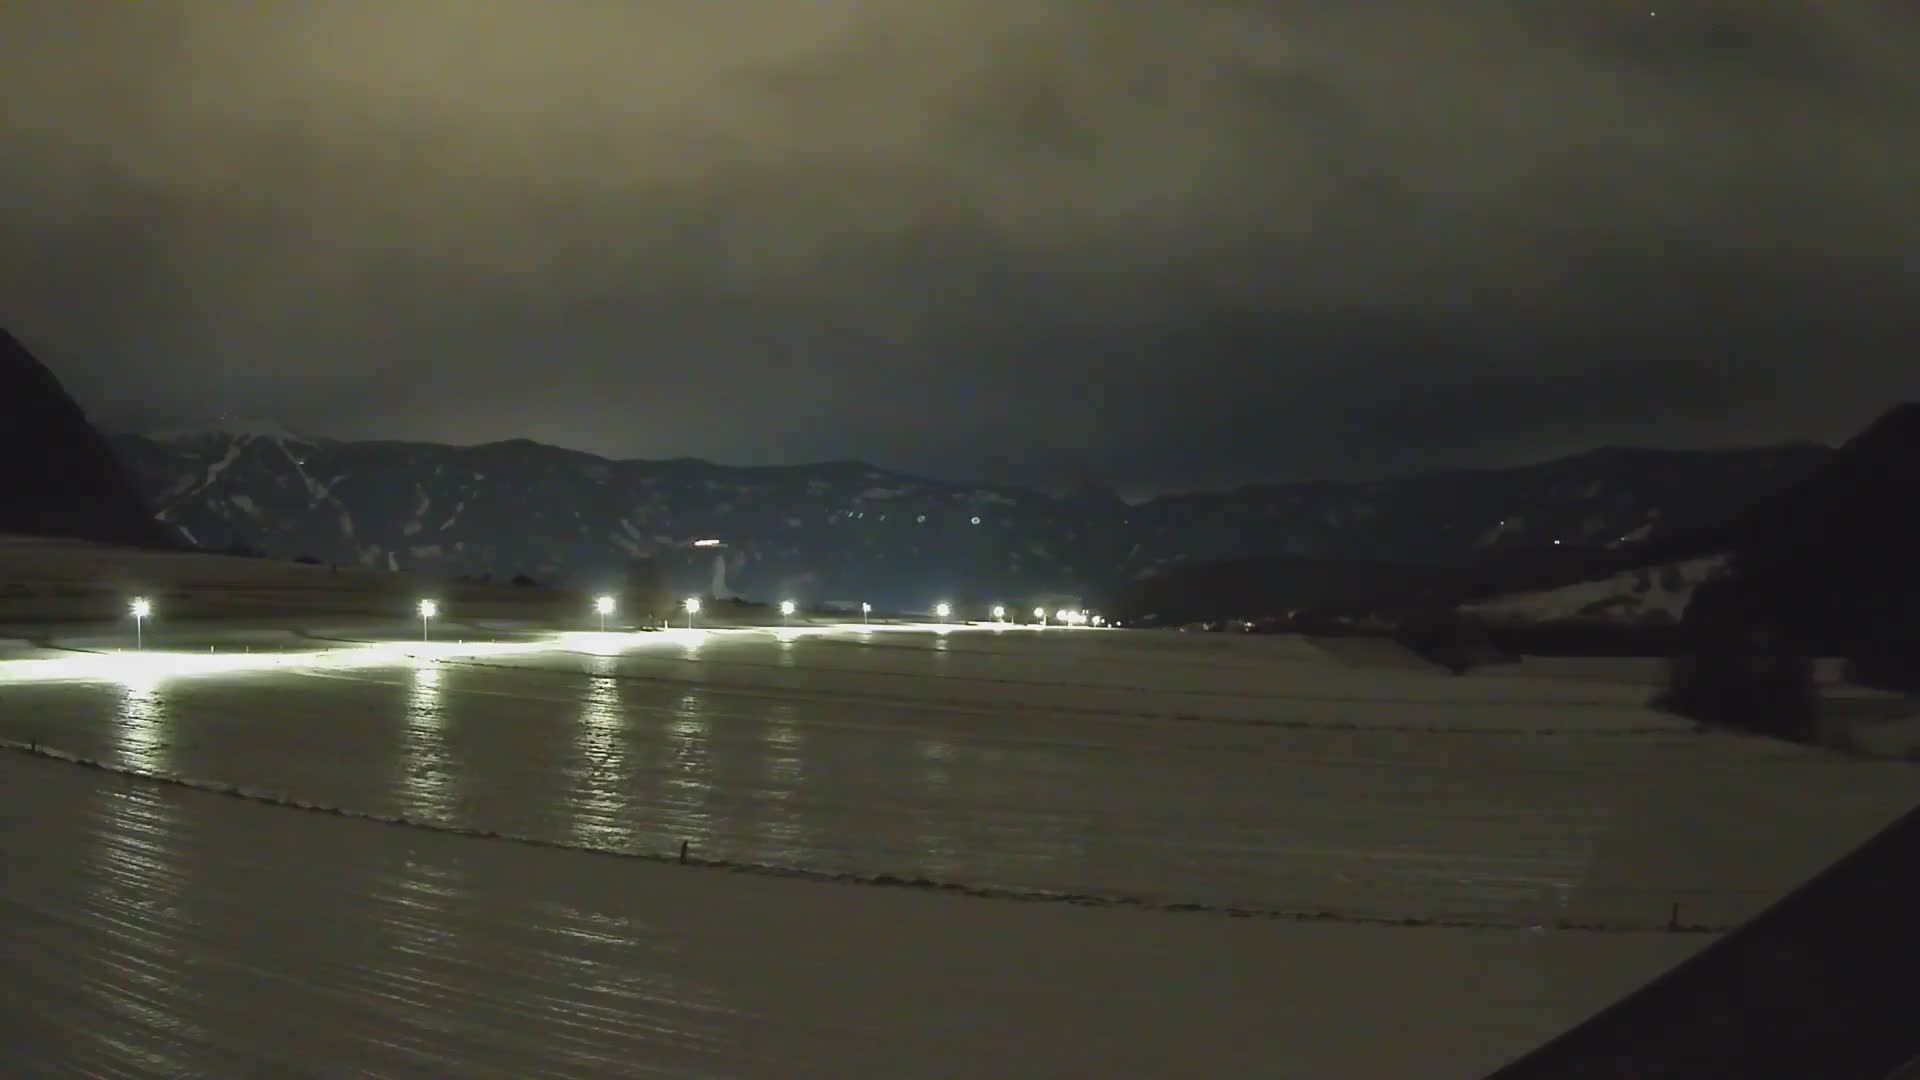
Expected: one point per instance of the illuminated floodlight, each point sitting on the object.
(1040, 614)
(140, 609)
(999, 612)
(428, 609)
(787, 608)
(943, 610)
(693, 607)
(604, 606)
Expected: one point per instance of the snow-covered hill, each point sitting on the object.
(846, 529)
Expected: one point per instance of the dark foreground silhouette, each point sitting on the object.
(1826, 984)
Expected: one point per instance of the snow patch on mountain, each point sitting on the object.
(1658, 593)
(214, 470)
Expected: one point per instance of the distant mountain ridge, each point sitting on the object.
(847, 530)
(58, 476)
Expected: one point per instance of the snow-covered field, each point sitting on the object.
(1431, 873)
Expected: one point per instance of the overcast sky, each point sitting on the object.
(1159, 245)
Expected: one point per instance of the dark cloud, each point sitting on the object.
(1157, 244)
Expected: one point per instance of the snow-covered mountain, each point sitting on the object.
(843, 530)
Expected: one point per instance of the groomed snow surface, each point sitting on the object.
(1110, 853)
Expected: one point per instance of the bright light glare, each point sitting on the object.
(786, 607)
(428, 609)
(943, 610)
(692, 605)
(141, 609)
(999, 612)
(1039, 613)
(706, 543)
(147, 668)
(604, 605)
(865, 607)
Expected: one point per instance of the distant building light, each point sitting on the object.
(706, 543)
(921, 520)
(976, 519)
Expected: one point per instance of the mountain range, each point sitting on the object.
(848, 530)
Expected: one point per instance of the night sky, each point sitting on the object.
(1157, 245)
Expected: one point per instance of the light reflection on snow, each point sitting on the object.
(141, 727)
(598, 782)
(785, 832)
(427, 774)
(146, 669)
(937, 847)
(689, 773)
(139, 879)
